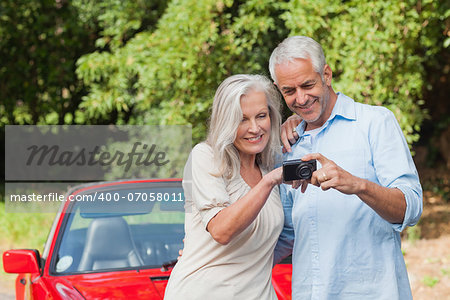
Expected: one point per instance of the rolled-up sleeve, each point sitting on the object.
(395, 167)
(206, 191)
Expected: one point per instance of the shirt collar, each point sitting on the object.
(344, 107)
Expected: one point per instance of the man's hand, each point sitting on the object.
(389, 203)
(288, 134)
(332, 176)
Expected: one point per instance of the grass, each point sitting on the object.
(430, 281)
(413, 233)
(27, 230)
(22, 230)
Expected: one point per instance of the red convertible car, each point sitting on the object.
(113, 240)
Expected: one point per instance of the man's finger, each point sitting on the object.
(304, 186)
(286, 143)
(293, 138)
(315, 178)
(325, 186)
(296, 184)
(322, 159)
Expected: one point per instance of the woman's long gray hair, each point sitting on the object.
(227, 115)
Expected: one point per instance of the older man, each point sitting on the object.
(366, 190)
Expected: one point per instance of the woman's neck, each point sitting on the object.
(248, 161)
(250, 171)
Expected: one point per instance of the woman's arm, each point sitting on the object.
(233, 219)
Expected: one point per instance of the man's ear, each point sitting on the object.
(277, 87)
(327, 75)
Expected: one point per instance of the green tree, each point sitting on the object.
(377, 50)
(168, 74)
(159, 62)
(39, 43)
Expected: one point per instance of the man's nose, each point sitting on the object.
(300, 96)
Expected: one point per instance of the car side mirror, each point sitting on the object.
(21, 261)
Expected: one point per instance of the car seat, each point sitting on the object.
(109, 245)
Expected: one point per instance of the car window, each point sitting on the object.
(123, 234)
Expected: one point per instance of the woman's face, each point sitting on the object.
(254, 130)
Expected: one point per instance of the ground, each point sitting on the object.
(428, 258)
(426, 246)
(428, 263)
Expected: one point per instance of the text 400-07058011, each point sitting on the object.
(134, 196)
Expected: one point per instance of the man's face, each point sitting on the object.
(304, 91)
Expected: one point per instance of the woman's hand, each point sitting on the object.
(276, 177)
(288, 134)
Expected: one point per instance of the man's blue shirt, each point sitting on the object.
(341, 248)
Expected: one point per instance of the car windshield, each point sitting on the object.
(121, 227)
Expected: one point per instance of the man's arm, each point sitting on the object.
(397, 194)
(389, 203)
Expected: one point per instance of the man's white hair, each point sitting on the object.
(297, 47)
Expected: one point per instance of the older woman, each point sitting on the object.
(233, 210)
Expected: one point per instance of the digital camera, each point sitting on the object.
(298, 169)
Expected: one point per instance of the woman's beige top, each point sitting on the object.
(241, 269)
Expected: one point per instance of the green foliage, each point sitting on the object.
(374, 49)
(430, 281)
(39, 41)
(168, 74)
(159, 62)
(28, 230)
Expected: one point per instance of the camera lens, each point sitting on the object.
(304, 172)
